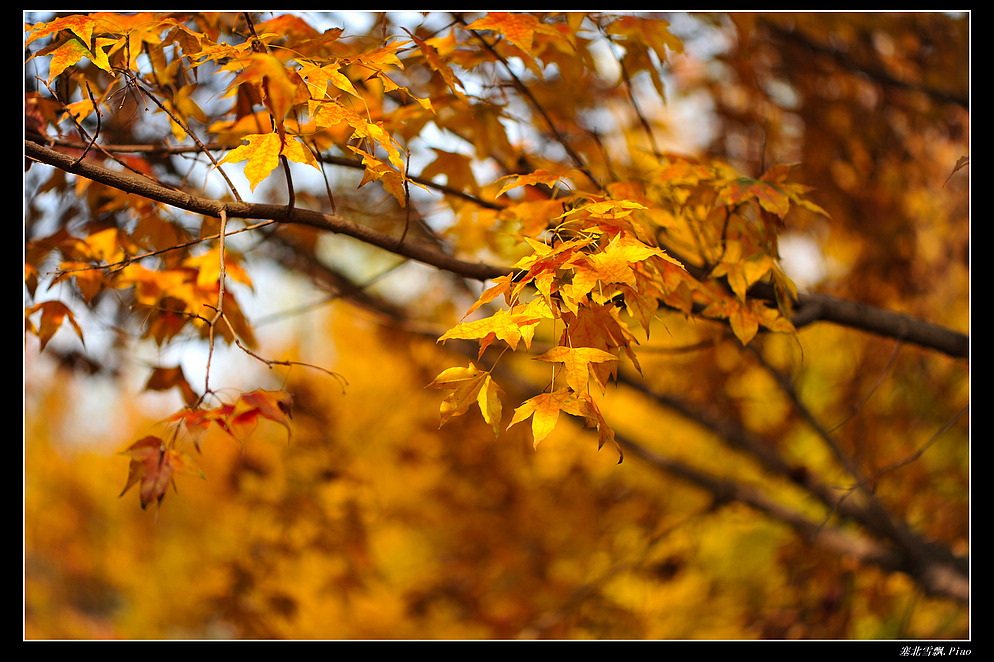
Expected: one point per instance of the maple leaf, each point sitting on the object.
(377, 170)
(544, 410)
(467, 386)
(532, 215)
(457, 169)
(605, 433)
(263, 154)
(501, 285)
(576, 363)
(511, 326)
(282, 87)
(163, 379)
(208, 266)
(653, 33)
(238, 418)
(745, 317)
(539, 177)
(742, 272)
(53, 313)
(435, 61)
(66, 54)
(154, 464)
(275, 406)
(80, 24)
(517, 28)
(600, 326)
(767, 195)
(616, 263)
(490, 405)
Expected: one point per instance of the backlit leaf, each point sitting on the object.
(576, 363)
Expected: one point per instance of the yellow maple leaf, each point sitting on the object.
(511, 326)
(538, 177)
(467, 386)
(489, 401)
(464, 386)
(263, 155)
(208, 266)
(576, 363)
(544, 410)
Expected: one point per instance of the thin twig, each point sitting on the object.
(217, 166)
(880, 378)
(120, 264)
(219, 310)
(577, 161)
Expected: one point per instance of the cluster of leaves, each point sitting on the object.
(596, 261)
(599, 271)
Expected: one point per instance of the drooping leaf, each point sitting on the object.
(53, 313)
(467, 386)
(576, 363)
(165, 378)
(153, 464)
(544, 411)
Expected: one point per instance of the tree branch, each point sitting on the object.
(935, 576)
(823, 308)
(810, 308)
(249, 210)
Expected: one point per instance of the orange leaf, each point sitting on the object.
(66, 55)
(80, 24)
(768, 196)
(434, 60)
(517, 28)
(502, 285)
(52, 315)
(154, 464)
(163, 379)
(283, 88)
(236, 418)
(272, 405)
(742, 271)
(605, 434)
(538, 177)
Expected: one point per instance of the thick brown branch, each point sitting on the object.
(855, 315)
(280, 213)
(810, 308)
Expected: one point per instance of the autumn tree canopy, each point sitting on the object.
(590, 325)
